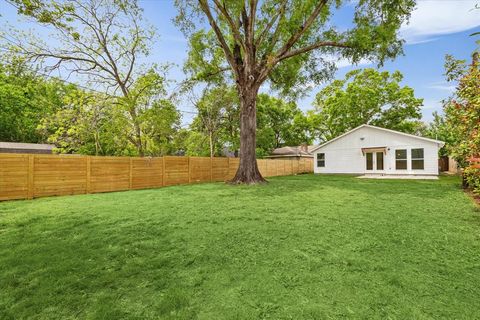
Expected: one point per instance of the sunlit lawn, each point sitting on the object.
(301, 247)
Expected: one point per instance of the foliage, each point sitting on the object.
(25, 99)
(96, 124)
(293, 52)
(472, 177)
(216, 109)
(279, 123)
(438, 129)
(102, 42)
(88, 123)
(365, 96)
(462, 110)
(462, 113)
(300, 247)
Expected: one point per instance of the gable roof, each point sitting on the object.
(378, 128)
(293, 151)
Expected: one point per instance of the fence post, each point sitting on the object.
(31, 168)
(189, 171)
(228, 169)
(164, 175)
(131, 174)
(87, 185)
(211, 168)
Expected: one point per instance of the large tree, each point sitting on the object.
(102, 42)
(365, 97)
(286, 42)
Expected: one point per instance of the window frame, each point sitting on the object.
(412, 159)
(322, 159)
(404, 160)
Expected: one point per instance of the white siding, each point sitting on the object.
(344, 155)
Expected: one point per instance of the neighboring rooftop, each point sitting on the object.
(16, 147)
(293, 151)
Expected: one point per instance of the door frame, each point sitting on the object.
(374, 162)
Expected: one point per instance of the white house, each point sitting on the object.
(372, 150)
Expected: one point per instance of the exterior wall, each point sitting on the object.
(345, 154)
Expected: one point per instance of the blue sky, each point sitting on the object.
(437, 27)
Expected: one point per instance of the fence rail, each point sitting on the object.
(27, 176)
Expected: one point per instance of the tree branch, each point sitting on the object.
(228, 53)
(270, 24)
(311, 47)
(235, 29)
(294, 38)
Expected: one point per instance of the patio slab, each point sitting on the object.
(398, 176)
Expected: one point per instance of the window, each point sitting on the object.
(320, 160)
(401, 159)
(369, 158)
(379, 160)
(417, 159)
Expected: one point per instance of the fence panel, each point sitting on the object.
(262, 166)
(219, 169)
(146, 173)
(25, 176)
(271, 168)
(109, 174)
(233, 164)
(200, 169)
(13, 176)
(176, 170)
(59, 175)
(289, 167)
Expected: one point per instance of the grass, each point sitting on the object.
(301, 247)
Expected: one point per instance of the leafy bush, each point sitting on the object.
(472, 175)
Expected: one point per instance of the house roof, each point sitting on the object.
(378, 128)
(293, 151)
(26, 146)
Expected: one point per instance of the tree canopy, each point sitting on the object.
(288, 43)
(365, 96)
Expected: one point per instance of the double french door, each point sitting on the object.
(374, 161)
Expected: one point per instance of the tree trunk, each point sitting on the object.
(248, 172)
(210, 140)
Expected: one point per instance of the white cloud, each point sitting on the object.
(430, 105)
(343, 63)
(433, 18)
(443, 86)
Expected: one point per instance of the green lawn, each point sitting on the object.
(301, 247)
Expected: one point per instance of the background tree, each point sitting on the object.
(99, 41)
(94, 123)
(438, 129)
(365, 97)
(279, 123)
(213, 108)
(284, 42)
(85, 124)
(25, 99)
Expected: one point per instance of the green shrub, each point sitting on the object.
(472, 175)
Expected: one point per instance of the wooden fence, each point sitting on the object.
(27, 176)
